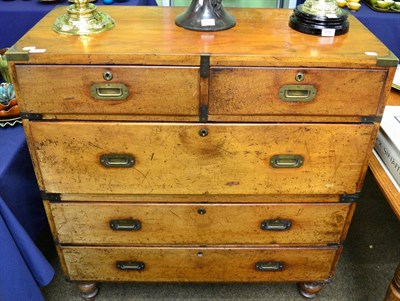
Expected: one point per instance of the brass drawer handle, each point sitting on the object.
(297, 93)
(269, 266)
(130, 265)
(125, 225)
(276, 225)
(109, 91)
(286, 161)
(117, 160)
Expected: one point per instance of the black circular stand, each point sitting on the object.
(312, 24)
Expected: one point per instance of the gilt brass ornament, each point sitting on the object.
(82, 18)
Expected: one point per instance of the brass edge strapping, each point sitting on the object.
(387, 61)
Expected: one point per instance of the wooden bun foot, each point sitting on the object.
(309, 289)
(393, 292)
(88, 290)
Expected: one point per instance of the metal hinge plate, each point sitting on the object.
(349, 198)
(371, 119)
(203, 112)
(52, 197)
(31, 116)
(205, 65)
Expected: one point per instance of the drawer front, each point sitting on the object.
(166, 158)
(275, 91)
(102, 223)
(199, 264)
(131, 90)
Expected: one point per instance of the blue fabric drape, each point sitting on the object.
(23, 268)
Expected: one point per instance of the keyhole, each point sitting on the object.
(203, 132)
(201, 211)
(299, 76)
(107, 75)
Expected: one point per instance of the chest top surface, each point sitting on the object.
(149, 36)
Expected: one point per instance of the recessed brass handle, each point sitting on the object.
(286, 161)
(276, 225)
(125, 224)
(130, 265)
(117, 160)
(297, 93)
(270, 266)
(108, 91)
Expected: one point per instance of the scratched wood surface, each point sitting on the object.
(148, 35)
(151, 90)
(199, 264)
(256, 91)
(240, 224)
(180, 163)
(175, 92)
(172, 158)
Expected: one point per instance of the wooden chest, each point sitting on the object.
(171, 155)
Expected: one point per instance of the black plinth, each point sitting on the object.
(312, 24)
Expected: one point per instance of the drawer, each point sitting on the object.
(203, 224)
(82, 90)
(199, 264)
(275, 91)
(172, 158)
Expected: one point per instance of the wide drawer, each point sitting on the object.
(204, 224)
(168, 158)
(82, 90)
(136, 158)
(199, 264)
(275, 91)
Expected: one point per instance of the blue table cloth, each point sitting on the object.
(386, 26)
(18, 16)
(18, 186)
(23, 268)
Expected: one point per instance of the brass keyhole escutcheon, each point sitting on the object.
(299, 77)
(203, 132)
(201, 211)
(107, 75)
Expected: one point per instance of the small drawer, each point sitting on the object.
(203, 224)
(289, 91)
(192, 264)
(227, 159)
(108, 90)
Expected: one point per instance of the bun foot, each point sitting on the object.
(393, 292)
(88, 290)
(309, 290)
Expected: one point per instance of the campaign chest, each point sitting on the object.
(171, 155)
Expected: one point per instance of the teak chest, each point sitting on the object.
(171, 155)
